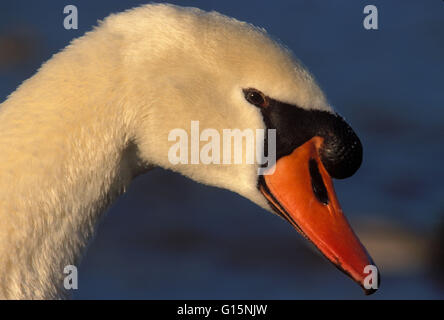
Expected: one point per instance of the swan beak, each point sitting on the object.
(301, 191)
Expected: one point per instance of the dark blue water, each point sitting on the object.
(169, 237)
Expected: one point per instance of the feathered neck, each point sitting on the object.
(66, 153)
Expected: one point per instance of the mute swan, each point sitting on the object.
(99, 113)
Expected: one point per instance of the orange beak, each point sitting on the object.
(301, 191)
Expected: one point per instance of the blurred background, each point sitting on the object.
(169, 237)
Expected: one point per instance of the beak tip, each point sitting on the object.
(370, 291)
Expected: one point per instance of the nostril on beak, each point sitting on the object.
(319, 189)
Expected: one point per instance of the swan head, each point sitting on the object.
(185, 67)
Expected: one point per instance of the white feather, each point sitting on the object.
(98, 113)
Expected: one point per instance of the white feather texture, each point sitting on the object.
(99, 112)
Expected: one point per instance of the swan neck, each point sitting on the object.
(66, 154)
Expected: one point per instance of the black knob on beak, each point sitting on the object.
(341, 152)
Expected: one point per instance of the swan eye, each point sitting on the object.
(256, 97)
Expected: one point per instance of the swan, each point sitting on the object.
(98, 114)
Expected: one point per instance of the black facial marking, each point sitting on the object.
(341, 151)
(317, 183)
